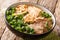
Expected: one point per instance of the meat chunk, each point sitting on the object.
(33, 13)
(28, 18)
(38, 27)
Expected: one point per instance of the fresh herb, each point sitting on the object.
(47, 26)
(10, 11)
(44, 14)
(24, 13)
(17, 22)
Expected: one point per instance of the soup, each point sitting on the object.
(29, 19)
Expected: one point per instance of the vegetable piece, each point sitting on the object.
(13, 22)
(20, 22)
(32, 31)
(18, 29)
(24, 13)
(13, 26)
(9, 18)
(20, 17)
(10, 11)
(44, 14)
(23, 29)
(29, 30)
(7, 12)
(47, 26)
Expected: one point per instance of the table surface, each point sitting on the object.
(52, 5)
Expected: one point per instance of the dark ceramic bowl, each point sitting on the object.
(30, 35)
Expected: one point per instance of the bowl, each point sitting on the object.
(30, 35)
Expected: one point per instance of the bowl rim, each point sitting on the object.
(34, 4)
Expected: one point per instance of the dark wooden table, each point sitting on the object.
(52, 5)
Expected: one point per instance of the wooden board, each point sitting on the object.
(57, 15)
(6, 34)
(49, 4)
